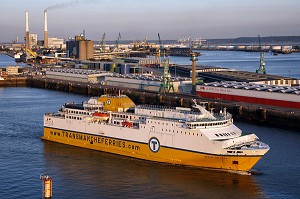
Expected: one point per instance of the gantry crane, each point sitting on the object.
(262, 65)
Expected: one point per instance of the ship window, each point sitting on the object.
(235, 162)
(239, 151)
(217, 135)
(193, 133)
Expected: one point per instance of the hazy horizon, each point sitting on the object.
(137, 19)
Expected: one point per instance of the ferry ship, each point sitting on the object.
(185, 136)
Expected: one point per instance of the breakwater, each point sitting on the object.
(249, 112)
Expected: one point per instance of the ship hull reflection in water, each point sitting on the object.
(107, 175)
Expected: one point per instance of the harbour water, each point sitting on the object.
(287, 65)
(82, 173)
(5, 60)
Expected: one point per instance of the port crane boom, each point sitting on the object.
(262, 65)
(166, 85)
(101, 44)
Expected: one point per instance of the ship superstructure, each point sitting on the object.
(176, 135)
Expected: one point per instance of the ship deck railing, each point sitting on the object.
(167, 108)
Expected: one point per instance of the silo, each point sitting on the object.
(89, 49)
(82, 50)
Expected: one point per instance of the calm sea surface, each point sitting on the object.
(83, 173)
(287, 65)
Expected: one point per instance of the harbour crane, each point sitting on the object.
(160, 47)
(101, 44)
(166, 85)
(117, 43)
(262, 65)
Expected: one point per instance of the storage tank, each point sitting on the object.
(89, 49)
(82, 50)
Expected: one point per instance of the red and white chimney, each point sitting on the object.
(45, 30)
(27, 31)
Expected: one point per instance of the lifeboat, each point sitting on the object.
(101, 116)
(127, 124)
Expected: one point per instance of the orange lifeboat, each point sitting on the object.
(101, 116)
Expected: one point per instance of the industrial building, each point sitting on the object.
(12, 70)
(78, 75)
(117, 66)
(55, 42)
(33, 40)
(80, 48)
(132, 81)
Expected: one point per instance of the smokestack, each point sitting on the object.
(45, 30)
(27, 31)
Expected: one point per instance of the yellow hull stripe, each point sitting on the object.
(142, 151)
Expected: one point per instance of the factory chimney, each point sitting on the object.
(27, 31)
(45, 30)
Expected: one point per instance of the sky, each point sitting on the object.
(137, 19)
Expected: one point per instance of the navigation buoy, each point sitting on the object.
(47, 186)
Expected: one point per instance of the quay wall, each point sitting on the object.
(14, 82)
(249, 112)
